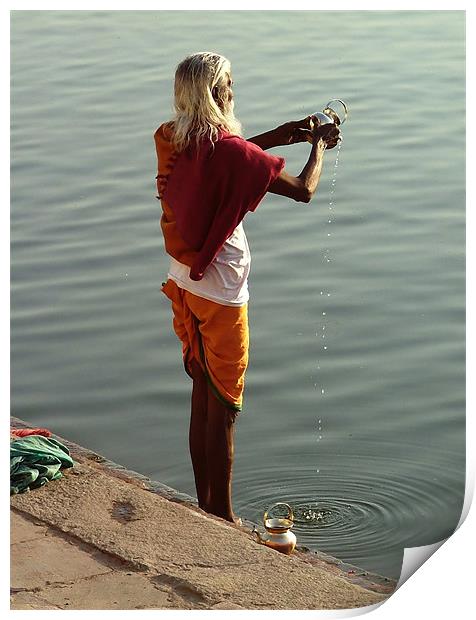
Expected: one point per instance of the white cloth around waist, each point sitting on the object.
(225, 280)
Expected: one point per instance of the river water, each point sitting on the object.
(365, 438)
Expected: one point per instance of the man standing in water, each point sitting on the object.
(208, 178)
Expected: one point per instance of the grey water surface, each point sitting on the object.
(355, 398)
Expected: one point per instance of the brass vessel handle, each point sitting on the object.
(346, 111)
(290, 511)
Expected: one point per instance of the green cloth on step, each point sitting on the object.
(34, 460)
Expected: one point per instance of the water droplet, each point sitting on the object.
(328, 294)
(322, 292)
(323, 314)
(325, 347)
(322, 391)
(317, 471)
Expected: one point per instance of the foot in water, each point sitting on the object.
(235, 520)
(231, 518)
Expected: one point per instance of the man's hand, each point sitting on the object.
(294, 131)
(328, 133)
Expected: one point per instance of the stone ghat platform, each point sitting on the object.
(104, 537)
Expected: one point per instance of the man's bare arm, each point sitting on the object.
(303, 187)
(287, 133)
(267, 140)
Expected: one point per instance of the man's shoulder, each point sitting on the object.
(164, 131)
(234, 146)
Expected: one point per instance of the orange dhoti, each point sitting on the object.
(217, 337)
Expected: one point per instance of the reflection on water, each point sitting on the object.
(380, 453)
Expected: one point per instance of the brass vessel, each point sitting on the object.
(278, 535)
(330, 115)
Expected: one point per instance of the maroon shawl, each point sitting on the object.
(211, 188)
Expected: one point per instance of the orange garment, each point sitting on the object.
(166, 155)
(215, 335)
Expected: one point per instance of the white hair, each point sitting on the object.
(201, 104)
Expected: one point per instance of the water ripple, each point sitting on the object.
(366, 518)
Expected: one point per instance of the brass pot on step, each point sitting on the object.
(278, 535)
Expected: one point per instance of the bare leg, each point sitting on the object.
(198, 434)
(220, 452)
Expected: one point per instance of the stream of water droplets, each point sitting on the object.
(326, 259)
